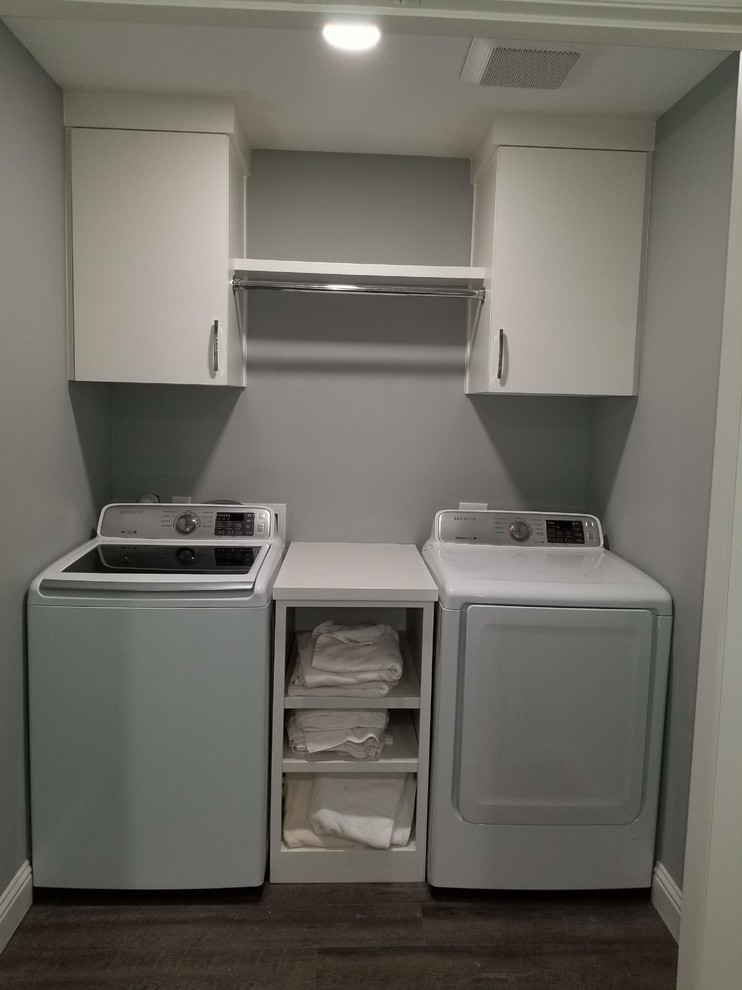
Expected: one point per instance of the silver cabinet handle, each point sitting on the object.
(500, 352)
(215, 346)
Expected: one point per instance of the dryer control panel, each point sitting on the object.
(500, 528)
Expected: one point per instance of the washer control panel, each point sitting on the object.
(164, 522)
(494, 527)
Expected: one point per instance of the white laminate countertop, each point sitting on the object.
(354, 572)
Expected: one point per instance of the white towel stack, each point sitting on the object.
(359, 734)
(346, 661)
(343, 810)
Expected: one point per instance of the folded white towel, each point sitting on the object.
(362, 807)
(362, 634)
(305, 676)
(310, 676)
(370, 689)
(341, 718)
(297, 831)
(359, 743)
(370, 741)
(356, 649)
(368, 750)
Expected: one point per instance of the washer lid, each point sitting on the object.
(533, 576)
(99, 566)
(73, 578)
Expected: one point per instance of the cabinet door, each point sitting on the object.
(149, 255)
(563, 235)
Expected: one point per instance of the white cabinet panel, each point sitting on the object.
(561, 234)
(150, 260)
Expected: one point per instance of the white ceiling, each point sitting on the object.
(293, 92)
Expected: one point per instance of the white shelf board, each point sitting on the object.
(446, 276)
(403, 864)
(404, 694)
(312, 851)
(400, 756)
(382, 573)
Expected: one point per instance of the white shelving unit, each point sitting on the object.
(354, 583)
(346, 277)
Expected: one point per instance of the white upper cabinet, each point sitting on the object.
(560, 232)
(156, 217)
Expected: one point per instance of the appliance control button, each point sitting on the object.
(186, 556)
(519, 530)
(187, 522)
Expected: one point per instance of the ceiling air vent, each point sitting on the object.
(524, 68)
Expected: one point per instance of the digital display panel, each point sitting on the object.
(565, 531)
(234, 524)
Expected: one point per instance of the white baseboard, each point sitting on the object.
(667, 899)
(14, 902)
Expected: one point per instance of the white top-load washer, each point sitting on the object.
(149, 668)
(550, 681)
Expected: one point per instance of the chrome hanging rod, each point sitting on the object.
(425, 291)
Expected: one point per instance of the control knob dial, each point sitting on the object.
(187, 522)
(519, 530)
(186, 556)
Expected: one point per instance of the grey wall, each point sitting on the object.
(54, 440)
(386, 209)
(650, 465)
(354, 412)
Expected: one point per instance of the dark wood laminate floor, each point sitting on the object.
(340, 937)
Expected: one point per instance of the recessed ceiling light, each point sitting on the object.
(351, 37)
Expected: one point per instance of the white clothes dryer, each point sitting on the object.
(550, 682)
(149, 652)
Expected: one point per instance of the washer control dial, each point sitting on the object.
(186, 556)
(187, 522)
(519, 530)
